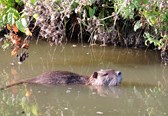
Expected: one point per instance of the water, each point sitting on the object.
(143, 91)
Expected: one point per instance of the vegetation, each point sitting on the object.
(131, 23)
(16, 102)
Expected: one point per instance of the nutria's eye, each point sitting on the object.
(118, 73)
(105, 74)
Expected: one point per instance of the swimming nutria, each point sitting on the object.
(108, 77)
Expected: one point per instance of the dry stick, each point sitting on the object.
(106, 17)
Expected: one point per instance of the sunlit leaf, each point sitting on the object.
(33, 1)
(10, 18)
(1, 24)
(92, 11)
(24, 22)
(14, 11)
(137, 25)
(153, 21)
(4, 18)
(35, 16)
(5, 45)
(19, 2)
(21, 25)
(74, 5)
(8, 3)
(151, 39)
(34, 110)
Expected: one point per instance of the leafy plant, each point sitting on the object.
(151, 39)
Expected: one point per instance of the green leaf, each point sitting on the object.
(74, 5)
(92, 11)
(5, 45)
(10, 18)
(4, 18)
(24, 22)
(3, 2)
(151, 39)
(34, 110)
(137, 25)
(9, 3)
(14, 11)
(1, 24)
(19, 2)
(35, 16)
(33, 1)
(21, 25)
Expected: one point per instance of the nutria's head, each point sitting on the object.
(107, 77)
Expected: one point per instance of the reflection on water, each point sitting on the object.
(143, 91)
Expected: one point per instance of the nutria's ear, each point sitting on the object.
(95, 74)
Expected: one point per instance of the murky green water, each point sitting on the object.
(143, 91)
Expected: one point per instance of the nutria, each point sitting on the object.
(106, 77)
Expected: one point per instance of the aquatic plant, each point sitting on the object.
(149, 98)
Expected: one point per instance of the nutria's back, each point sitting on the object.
(58, 77)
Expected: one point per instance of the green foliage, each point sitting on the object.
(155, 15)
(92, 11)
(14, 12)
(33, 1)
(137, 25)
(8, 3)
(125, 8)
(10, 15)
(19, 2)
(152, 13)
(6, 44)
(10, 18)
(74, 5)
(151, 39)
(22, 24)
